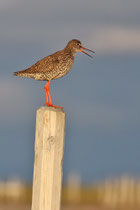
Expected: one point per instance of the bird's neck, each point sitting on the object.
(70, 51)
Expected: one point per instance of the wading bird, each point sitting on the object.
(54, 66)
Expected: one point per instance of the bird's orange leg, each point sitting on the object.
(48, 97)
(46, 92)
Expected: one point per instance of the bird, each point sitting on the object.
(54, 66)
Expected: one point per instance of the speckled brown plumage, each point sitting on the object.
(51, 67)
(54, 66)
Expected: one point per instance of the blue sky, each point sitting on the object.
(99, 95)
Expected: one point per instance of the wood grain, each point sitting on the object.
(49, 150)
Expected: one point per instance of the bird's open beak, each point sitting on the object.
(87, 50)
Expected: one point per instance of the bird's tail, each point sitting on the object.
(17, 73)
(23, 73)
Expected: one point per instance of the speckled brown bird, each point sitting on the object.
(54, 66)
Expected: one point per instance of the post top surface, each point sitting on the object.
(45, 108)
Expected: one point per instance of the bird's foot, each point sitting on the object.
(60, 107)
(46, 104)
(51, 105)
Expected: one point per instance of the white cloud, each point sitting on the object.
(116, 39)
(108, 26)
(103, 38)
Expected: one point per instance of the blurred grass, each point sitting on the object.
(111, 194)
(64, 207)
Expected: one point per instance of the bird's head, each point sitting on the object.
(76, 46)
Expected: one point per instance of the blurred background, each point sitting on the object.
(100, 96)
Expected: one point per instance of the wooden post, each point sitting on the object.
(49, 149)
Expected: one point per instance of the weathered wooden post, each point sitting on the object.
(49, 149)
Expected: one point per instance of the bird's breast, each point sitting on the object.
(62, 68)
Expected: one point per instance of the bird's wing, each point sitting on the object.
(46, 64)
